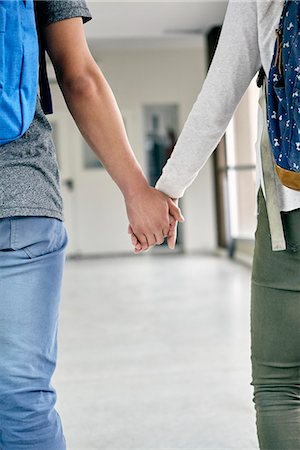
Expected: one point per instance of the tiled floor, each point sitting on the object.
(154, 353)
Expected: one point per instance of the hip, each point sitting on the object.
(277, 269)
(32, 236)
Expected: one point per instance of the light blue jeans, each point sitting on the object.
(32, 259)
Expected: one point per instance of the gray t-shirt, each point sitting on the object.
(29, 173)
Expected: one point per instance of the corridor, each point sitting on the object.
(154, 354)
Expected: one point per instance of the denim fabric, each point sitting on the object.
(32, 256)
(275, 333)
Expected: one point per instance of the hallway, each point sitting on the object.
(154, 353)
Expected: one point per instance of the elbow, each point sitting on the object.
(82, 84)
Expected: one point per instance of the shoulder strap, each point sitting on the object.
(269, 174)
(45, 93)
(260, 77)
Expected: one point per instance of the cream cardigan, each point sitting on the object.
(246, 41)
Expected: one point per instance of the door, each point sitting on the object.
(62, 126)
(95, 212)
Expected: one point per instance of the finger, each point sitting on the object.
(172, 241)
(160, 237)
(172, 236)
(175, 210)
(138, 247)
(138, 244)
(151, 239)
(172, 228)
(166, 231)
(142, 238)
(172, 221)
(138, 250)
(134, 239)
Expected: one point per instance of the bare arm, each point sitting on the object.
(95, 111)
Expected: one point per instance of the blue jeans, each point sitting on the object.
(32, 259)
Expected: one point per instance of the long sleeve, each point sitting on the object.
(236, 61)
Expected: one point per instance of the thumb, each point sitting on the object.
(175, 211)
(130, 230)
(172, 235)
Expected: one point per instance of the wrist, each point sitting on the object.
(134, 186)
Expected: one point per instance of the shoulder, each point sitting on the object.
(265, 8)
(241, 15)
(242, 6)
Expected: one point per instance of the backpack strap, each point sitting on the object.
(269, 174)
(45, 93)
(261, 74)
(260, 77)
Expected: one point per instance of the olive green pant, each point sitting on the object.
(275, 333)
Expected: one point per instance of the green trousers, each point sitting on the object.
(275, 333)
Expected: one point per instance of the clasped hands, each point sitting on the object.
(152, 217)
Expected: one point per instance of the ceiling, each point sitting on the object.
(139, 23)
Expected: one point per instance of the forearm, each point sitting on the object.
(97, 116)
(95, 111)
(236, 60)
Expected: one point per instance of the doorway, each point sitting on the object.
(161, 130)
(95, 213)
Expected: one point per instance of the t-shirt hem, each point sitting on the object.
(78, 11)
(25, 211)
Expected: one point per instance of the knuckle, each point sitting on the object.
(142, 239)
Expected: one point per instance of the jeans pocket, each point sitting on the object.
(38, 235)
(291, 226)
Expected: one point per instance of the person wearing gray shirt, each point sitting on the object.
(29, 175)
(33, 236)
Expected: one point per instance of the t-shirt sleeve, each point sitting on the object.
(51, 11)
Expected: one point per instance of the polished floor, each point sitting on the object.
(154, 354)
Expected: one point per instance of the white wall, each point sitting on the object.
(166, 76)
(152, 76)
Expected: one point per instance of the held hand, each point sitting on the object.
(149, 212)
(134, 240)
(172, 234)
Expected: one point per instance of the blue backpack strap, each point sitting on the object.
(45, 92)
(19, 62)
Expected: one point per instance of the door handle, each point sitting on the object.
(69, 183)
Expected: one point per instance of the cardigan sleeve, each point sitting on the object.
(235, 63)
